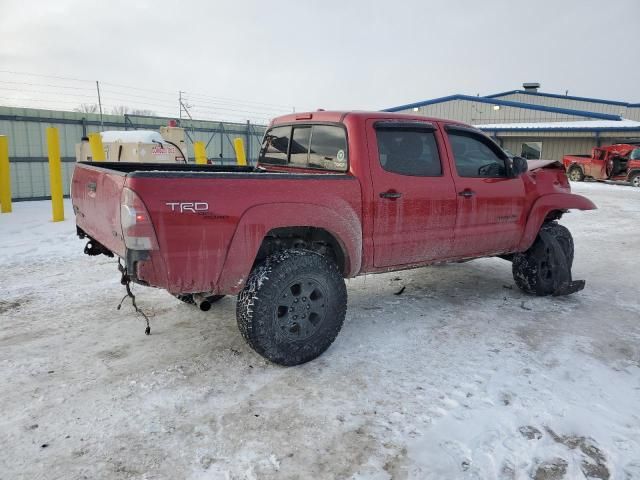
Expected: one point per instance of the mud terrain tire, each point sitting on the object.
(532, 270)
(292, 307)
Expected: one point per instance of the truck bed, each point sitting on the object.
(241, 203)
(130, 167)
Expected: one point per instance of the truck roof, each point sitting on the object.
(339, 116)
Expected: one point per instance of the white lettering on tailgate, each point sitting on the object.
(193, 207)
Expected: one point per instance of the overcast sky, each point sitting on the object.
(328, 54)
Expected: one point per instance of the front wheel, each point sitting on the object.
(292, 307)
(545, 269)
(576, 174)
(635, 180)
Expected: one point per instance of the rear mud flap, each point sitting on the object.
(563, 284)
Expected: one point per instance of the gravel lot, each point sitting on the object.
(460, 376)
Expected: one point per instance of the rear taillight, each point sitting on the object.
(137, 228)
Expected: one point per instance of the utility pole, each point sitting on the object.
(186, 110)
(183, 106)
(100, 105)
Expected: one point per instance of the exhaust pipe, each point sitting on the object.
(202, 301)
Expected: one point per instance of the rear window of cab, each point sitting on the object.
(316, 146)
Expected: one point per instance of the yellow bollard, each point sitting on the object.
(5, 176)
(97, 151)
(200, 153)
(241, 157)
(55, 174)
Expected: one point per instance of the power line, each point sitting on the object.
(235, 111)
(73, 98)
(215, 114)
(160, 100)
(43, 75)
(235, 100)
(20, 103)
(136, 102)
(108, 92)
(74, 87)
(164, 92)
(239, 107)
(255, 104)
(46, 93)
(47, 100)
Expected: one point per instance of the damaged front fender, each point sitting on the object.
(544, 206)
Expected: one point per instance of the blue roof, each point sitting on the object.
(506, 103)
(560, 129)
(566, 97)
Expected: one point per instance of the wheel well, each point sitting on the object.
(311, 238)
(632, 173)
(575, 165)
(553, 215)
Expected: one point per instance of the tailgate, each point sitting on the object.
(96, 193)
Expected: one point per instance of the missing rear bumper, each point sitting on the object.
(132, 257)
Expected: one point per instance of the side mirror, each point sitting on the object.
(519, 166)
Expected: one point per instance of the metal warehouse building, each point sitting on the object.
(536, 125)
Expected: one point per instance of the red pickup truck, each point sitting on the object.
(614, 162)
(334, 195)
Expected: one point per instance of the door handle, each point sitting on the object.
(467, 193)
(390, 194)
(92, 186)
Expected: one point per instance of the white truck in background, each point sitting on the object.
(140, 146)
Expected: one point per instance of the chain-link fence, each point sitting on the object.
(25, 129)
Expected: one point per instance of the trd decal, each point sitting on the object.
(193, 207)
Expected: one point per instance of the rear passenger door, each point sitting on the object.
(491, 210)
(414, 197)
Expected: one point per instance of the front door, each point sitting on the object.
(414, 196)
(491, 213)
(596, 167)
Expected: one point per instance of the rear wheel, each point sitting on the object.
(635, 180)
(576, 174)
(292, 307)
(546, 266)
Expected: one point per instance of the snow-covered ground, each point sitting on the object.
(461, 376)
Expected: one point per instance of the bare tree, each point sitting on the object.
(120, 110)
(123, 110)
(87, 108)
(147, 113)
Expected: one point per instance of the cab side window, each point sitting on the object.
(306, 146)
(300, 146)
(328, 148)
(408, 151)
(275, 146)
(476, 156)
